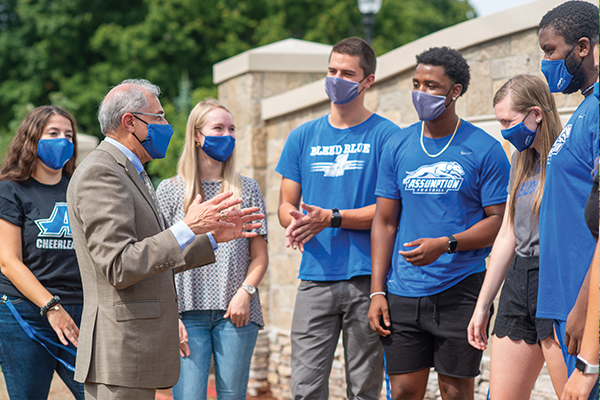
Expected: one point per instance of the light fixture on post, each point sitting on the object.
(368, 8)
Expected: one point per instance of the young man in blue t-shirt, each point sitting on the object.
(440, 192)
(567, 35)
(331, 162)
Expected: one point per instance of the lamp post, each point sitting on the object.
(368, 8)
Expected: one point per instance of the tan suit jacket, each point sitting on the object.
(129, 327)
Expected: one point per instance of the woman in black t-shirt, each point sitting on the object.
(39, 276)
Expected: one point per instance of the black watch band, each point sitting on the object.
(452, 244)
(336, 218)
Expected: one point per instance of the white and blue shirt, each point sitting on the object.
(337, 168)
(440, 196)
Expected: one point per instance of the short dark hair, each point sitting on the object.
(573, 20)
(455, 65)
(355, 46)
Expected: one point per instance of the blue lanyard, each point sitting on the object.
(32, 333)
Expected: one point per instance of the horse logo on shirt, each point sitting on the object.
(438, 178)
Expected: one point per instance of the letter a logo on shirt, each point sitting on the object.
(58, 223)
(338, 167)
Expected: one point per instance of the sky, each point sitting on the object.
(487, 7)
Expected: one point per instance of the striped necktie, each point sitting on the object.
(150, 188)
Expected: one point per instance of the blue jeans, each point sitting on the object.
(232, 347)
(27, 366)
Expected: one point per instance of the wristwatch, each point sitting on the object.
(585, 367)
(249, 288)
(452, 244)
(336, 218)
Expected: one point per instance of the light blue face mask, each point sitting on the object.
(55, 153)
(519, 135)
(219, 148)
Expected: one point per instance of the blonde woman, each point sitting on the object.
(219, 304)
(529, 120)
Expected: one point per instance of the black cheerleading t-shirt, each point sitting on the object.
(47, 243)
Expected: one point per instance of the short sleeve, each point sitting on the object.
(494, 176)
(289, 161)
(253, 197)
(10, 208)
(387, 183)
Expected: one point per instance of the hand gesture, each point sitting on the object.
(206, 217)
(310, 224)
(428, 250)
(239, 222)
(184, 348)
(63, 325)
(290, 240)
(476, 331)
(377, 310)
(239, 309)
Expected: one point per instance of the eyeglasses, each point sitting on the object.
(161, 117)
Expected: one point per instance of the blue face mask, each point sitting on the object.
(341, 91)
(519, 135)
(55, 153)
(556, 73)
(157, 140)
(218, 147)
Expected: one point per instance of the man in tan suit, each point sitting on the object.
(128, 342)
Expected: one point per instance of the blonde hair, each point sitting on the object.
(189, 168)
(526, 92)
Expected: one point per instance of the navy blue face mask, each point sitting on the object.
(158, 138)
(218, 148)
(519, 135)
(557, 74)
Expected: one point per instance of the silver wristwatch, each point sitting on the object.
(249, 288)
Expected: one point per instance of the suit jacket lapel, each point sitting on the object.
(124, 162)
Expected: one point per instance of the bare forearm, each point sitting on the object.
(358, 218)
(26, 283)
(383, 235)
(259, 262)
(284, 213)
(480, 235)
(589, 346)
(502, 254)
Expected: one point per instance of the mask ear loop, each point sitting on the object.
(134, 135)
(452, 98)
(359, 82)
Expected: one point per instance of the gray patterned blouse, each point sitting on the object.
(213, 286)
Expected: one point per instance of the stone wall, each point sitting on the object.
(261, 135)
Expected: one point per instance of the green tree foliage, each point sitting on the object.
(68, 52)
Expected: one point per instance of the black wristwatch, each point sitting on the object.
(585, 367)
(336, 218)
(452, 244)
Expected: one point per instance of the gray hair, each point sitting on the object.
(119, 102)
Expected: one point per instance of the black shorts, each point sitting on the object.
(432, 331)
(518, 304)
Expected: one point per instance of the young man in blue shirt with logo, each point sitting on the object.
(440, 192)
(567, 35)
(331, 162)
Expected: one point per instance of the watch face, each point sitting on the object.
(580, 365)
